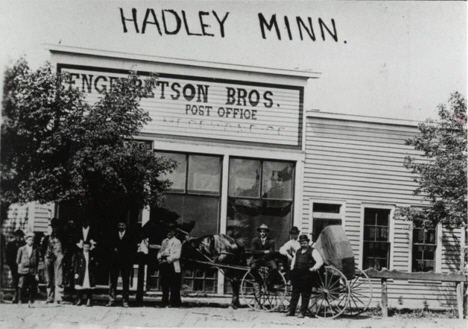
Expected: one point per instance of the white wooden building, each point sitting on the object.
(253, 151)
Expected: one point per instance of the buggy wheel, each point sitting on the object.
(263, 294)
(330, 296)
(360, 295)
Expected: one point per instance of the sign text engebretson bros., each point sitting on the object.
(210, 108)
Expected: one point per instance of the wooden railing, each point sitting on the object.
(458, 277)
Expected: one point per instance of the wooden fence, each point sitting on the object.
(457, 277)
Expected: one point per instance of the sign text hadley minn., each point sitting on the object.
(213, 24)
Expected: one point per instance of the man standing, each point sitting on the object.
(12, 248)
(123, 252)
(306, 264)
(28, 261)
(170, 272)
(263, 249)
(53, 259)
(289, 248)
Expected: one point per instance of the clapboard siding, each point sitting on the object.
(362, 164)
(42, 214)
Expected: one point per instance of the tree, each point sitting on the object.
(441, 176)
(56, 147)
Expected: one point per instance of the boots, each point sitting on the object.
(15, 296)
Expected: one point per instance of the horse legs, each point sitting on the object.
(235, 294)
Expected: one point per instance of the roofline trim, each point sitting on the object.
(361, 118)
(179, 61)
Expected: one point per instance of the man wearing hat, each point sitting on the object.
(12, 248)
(123, 246)
(289, 248)
(28, 261)
(170, 272)
(263, 249)
(306, 263)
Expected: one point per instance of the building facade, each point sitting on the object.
(251, 151)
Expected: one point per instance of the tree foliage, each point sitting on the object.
(56, 147)
(441, 175)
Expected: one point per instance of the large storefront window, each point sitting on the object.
(260, 192)
(195, 193)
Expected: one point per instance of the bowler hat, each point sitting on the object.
(263, 227)
(304, 237)
(294, 230)
(29, 234)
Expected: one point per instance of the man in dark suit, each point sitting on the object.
(263, 249)
(11, 253)
(123, 245)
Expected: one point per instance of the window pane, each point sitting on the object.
(382, 234)
(418, 235)
(429, 253)
(278, 180)
(428, 265)
(369, 216)
(202, 211)
(430, 237)
(326, 207)
(178, 176)
(204, 175)
(244, 178)
(382, 217)
(245, 215)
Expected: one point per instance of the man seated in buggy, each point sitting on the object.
(263, 255)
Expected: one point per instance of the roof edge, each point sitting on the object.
(179, 61)
(361, 118)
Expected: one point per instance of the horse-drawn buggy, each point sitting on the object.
(341, 288)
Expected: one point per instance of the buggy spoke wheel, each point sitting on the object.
(360, 295)
(330, 295)
(251, 292)
(264, 295)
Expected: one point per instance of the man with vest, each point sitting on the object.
(306, 263)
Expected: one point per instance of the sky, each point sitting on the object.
(393, 59)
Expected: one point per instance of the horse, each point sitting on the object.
(216, 249)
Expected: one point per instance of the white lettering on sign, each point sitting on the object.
(205, 108)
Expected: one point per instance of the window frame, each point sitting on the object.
(437, 252)
(326, 215)
(391, 231)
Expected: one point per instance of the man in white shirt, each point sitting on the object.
(289, 248)
(169, 270)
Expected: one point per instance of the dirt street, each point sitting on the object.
(68, 316)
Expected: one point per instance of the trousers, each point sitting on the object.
(54, 278)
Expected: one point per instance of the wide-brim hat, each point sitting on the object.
(263, 227)
(294, 230)
(303, 237)
(29, 234)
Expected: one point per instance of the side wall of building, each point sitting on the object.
(358, 165)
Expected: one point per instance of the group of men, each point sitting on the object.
(304, 260)
(70, 262)
(62, 258)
